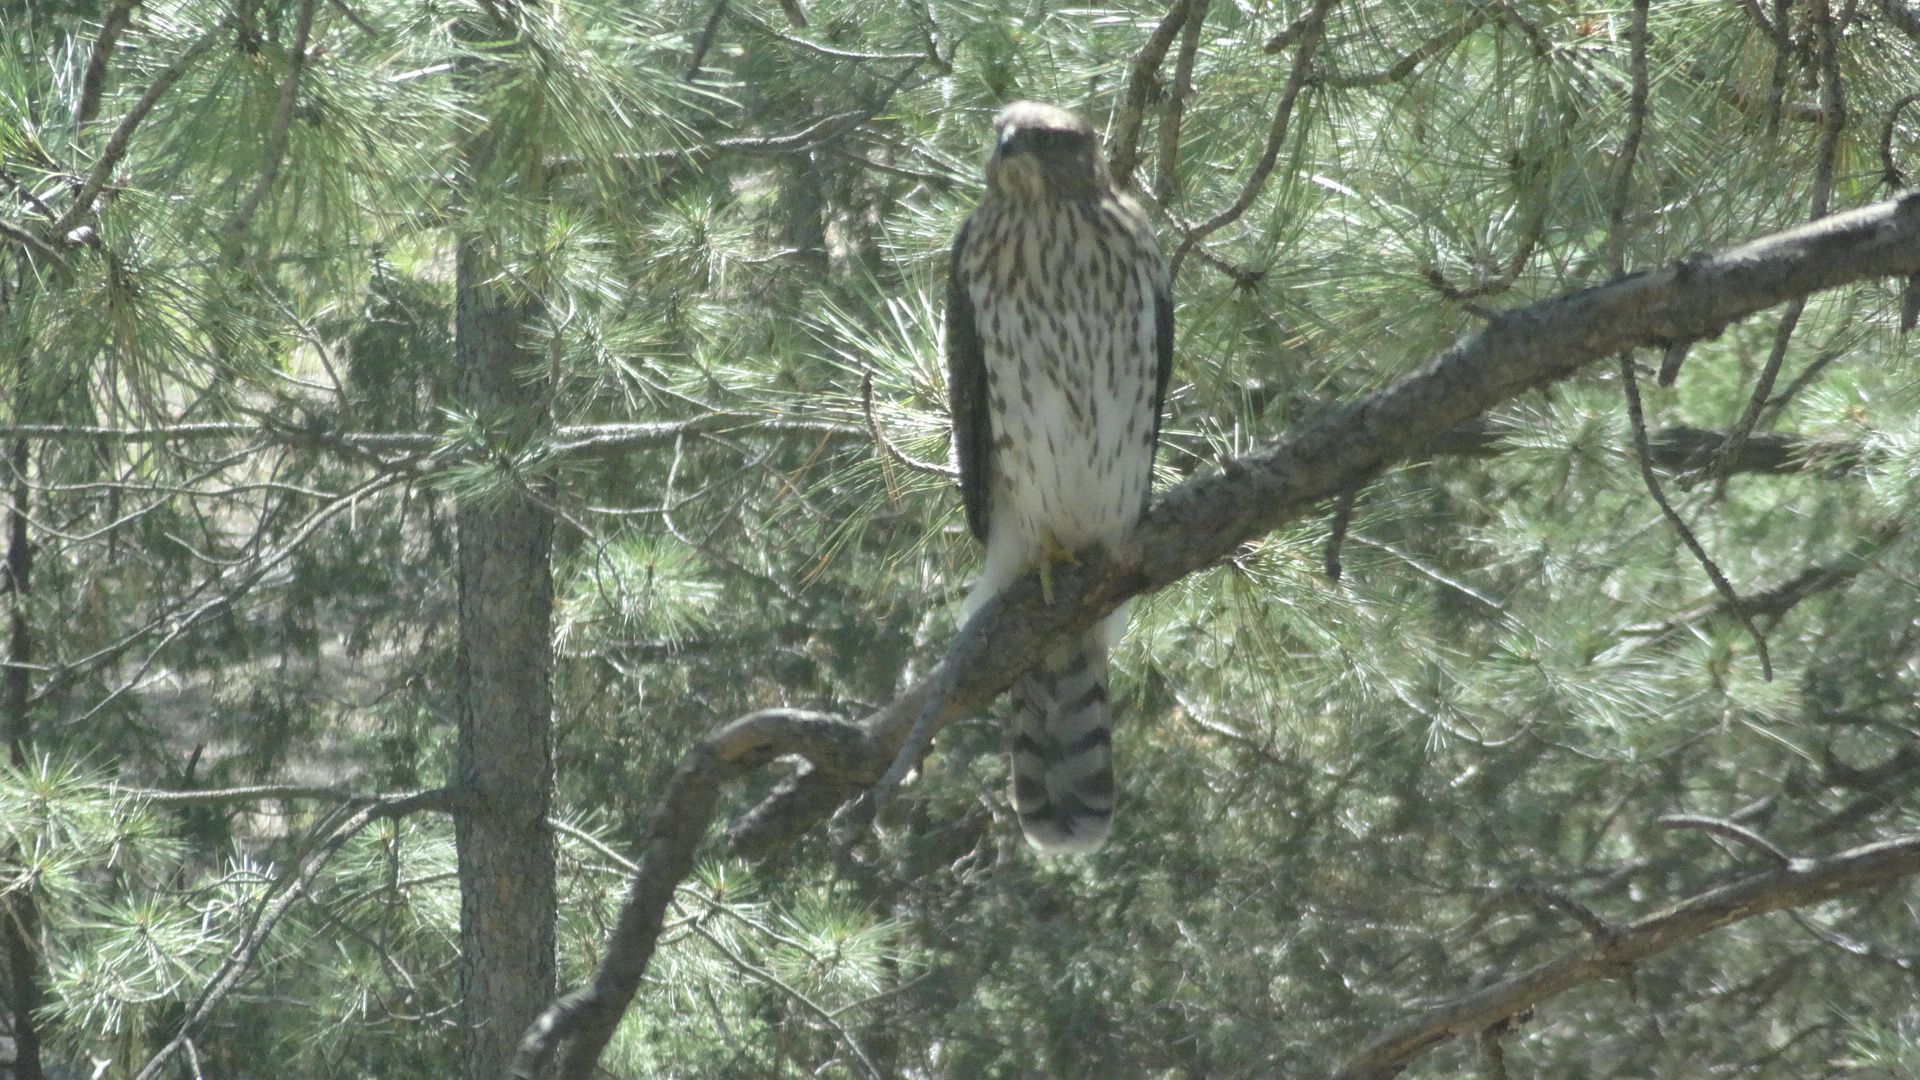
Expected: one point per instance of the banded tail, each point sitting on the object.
(1062, 748)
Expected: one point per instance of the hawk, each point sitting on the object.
(1059, 345)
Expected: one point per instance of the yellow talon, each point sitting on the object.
(1052, 553)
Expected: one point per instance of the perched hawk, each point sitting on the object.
(1059, 344)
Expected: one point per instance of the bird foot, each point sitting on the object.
(1052, 553)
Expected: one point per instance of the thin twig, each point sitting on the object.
(1834, 108)
(1556, 900)
(1291, 32)
(1902, 15)
(353, 17)
(1782, 56)
(1298, 77)
(584, 1020)
(919, 738)
(427, 799)
(27, 238)
(767, 978)
(1730, 830)
(1166, 172)
(747, 18)
(1493, 1055)
(705, 43)
(239, 963)
(94, 84)
(1800, 884)
(1631, 386)
(1443, 42)
(1622, 186)
(1890, 173)
(887, 449)
(1337, 533)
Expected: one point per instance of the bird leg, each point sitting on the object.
(1052, 553)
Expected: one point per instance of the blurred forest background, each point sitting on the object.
(364, 361)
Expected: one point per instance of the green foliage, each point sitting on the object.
(1329, 790)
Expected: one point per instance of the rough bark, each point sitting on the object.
(504, 757)
(20, 914)
(505, 753)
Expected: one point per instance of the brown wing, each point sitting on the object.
(967, 393)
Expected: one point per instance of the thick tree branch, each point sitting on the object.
(1799, 883)
(1201, 522)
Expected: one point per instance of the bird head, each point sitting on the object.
(1043, 152)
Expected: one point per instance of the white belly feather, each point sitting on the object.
(1069, 344)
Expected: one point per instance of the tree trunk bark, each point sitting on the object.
(21, 911)
(505, 754)
(504, 759)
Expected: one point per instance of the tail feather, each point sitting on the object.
(1062, 747)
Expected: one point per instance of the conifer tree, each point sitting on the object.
(373, 367)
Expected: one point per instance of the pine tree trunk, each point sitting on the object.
(505, 755)
(504, 760)
(20, 913)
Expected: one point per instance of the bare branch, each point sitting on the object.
(1731, 830)
(1796, 884)
(434, 799)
